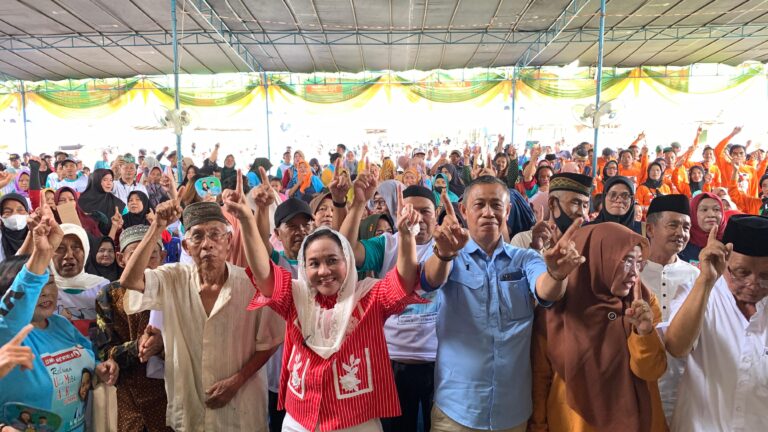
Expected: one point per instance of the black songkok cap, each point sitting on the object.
(419, 191)
(571, 182)
(673, 203)
(749, 235)
(202, 212)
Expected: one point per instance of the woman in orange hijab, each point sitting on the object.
(600, 372)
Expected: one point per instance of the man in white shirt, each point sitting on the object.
(127, 182)
(668, 228)
(69, 176)
(721, 329)
(215, 348)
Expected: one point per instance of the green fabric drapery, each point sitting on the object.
(207, 97)
(444, 87)
(82, 94)
(319, 89)
(679, 79)
(581, 85)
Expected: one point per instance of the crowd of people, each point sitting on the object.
(445, 289)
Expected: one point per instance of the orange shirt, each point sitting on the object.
(683, 187)
(638, 170)
(749, 179)
(644, 195)
(747, 204)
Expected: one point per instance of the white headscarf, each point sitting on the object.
(83, 280)
(324, 330)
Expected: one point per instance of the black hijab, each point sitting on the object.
(699, 185)
(455, 185)
(111, 272)
(140, 218)
(628, 219)
(96, 199)
(12, 240)
(605, 169)
(653, 184)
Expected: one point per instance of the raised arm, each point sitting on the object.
(450, 238)
(407, 261)
(365, 187)
(256, 253)
(561, 260)
(686, 326)
(133, 274)
(339, 187)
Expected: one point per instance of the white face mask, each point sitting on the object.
(15, 222)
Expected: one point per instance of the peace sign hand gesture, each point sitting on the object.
(340, 184)
(449, 237)
(117, 219)
(639, 314)
(563, 257)
(542, 232)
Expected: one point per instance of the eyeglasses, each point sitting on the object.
(630, 263)
(624, 196)
(198, 237)
(741, 277)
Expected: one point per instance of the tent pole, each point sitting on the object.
(24, 114)
(513, 107)
(599, 77)
(176, 87)
(266, 107)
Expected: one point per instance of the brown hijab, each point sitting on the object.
(587, 334)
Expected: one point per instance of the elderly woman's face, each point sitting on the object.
(617, 200)
(440, 182)
(135, 205)
(628, 273)
(47, 302)
(324, 213)
(69, 257)
(326, 266)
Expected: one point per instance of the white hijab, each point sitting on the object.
(324, 330)
(83, 280)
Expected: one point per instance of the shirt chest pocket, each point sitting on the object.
(466, 293)
(515, 301)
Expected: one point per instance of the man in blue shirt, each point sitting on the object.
(483, 370)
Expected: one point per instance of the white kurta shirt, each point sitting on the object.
(725, 385)
(668, 282)
(201, 350)
(122, 190)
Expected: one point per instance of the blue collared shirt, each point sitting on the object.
(483, 369)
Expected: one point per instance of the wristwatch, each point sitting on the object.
(442, 258)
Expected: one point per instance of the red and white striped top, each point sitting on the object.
(353, 385)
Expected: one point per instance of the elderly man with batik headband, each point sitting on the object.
(215, 349)
(568, 199)
(720, 329)
(130, 341)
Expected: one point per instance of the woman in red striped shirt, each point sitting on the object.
(336, 372)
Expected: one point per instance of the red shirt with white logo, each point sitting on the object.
(353, 385)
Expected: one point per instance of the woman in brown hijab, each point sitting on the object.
(596, 354)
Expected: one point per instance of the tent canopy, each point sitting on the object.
(59, 39)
